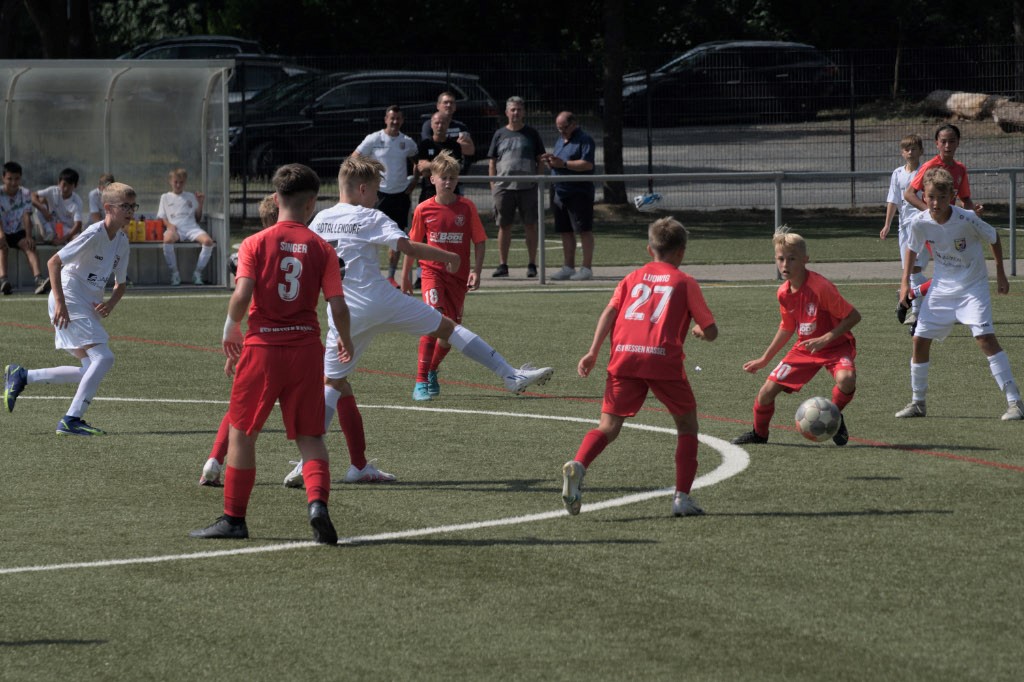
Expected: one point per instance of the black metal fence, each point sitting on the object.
(758, 109)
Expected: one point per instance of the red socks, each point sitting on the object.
(762, 417)
(841, 399)
(593, 444)
(686, 461)
(316, 474)
(440, 352)
(426, 358)
(220, 442)
(918, 292)
(352, 426)
(238, 484)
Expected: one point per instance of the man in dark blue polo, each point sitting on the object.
(573, 202)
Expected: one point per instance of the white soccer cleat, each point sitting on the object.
(175, 279)
(368, 474)
(565, 273)
(1015, 412)
(211, 473)
(294, 478)
(646, 202)
(683, 505)
(527, 376)
(197, 278)
(572, 486)
(912, 410)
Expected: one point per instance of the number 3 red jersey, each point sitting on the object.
(655, 306)
(290, 265)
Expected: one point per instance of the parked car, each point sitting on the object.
(254, 73)
(194, 47)
(732, 80)
(319, 119)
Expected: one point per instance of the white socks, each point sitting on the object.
(918, 381)
(916, 280)
(331, 396)
(478, 350)
(59, 375)
(101, 360)
(1000, 366)
(170, 257)
(204, 257)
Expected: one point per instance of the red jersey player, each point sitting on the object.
(281, 271)
(811, 306)
(647, 317)
(451, 223)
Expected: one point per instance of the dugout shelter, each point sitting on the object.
(136, 119)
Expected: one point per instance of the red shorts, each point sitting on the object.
(444, 296)
(624, 396)
(293, 375)
(799, 366)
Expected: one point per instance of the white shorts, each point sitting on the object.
(377, 309)
(84, 329)
(939, 313)
(190, 233)
(922, 258)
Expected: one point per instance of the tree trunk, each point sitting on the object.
(614, 46)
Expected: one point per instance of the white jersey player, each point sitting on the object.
(181, 211)
(358, 232)
(78, 274)
(959, 290)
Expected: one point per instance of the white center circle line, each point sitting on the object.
(734, 461)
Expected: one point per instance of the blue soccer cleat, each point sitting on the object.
(15, 380)
(420, 391)
(76, 426)
(433, 386)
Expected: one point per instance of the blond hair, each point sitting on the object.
(359, 170)
(116, 192)
(444, 164)
(268, 211)
(940, 179)
(783, 238)
(666, 235)
(178, 173)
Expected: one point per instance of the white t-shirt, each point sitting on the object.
(88, 262)
(67, 211)
(898, 184)
(393, 152)
(96, 201)
(358, 234)
(13, 208)
(179, 210)
(957, 250)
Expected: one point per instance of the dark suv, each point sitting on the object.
(320, 119)
(194, 47)
(733, 81)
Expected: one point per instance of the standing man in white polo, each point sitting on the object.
(397, 151)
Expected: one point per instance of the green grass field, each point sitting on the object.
(897, 557)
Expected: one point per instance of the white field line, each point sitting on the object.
(734, 461)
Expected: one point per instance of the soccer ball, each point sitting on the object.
(817, 419)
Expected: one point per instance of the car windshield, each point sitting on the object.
(295, 91)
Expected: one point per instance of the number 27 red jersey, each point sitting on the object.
(655, 306)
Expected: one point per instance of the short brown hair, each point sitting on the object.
(911, 141)
(357, 170)
(268, 211)
(295, 183)
(666, 235)
(105, 180)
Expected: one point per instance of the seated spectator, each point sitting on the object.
(16, 217)
(59, 204)
(96, 198)
(181, 212)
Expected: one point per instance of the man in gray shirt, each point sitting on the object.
(515, 149)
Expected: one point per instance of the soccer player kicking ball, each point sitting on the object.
(78, 275)
(647, 318)
(281, 271)
(959, 292)
(358, 232)
(811, 306)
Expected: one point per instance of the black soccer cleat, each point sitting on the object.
(749, 438)
(842, 436)
(902, 308)
(226, 528)
(320, 520)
